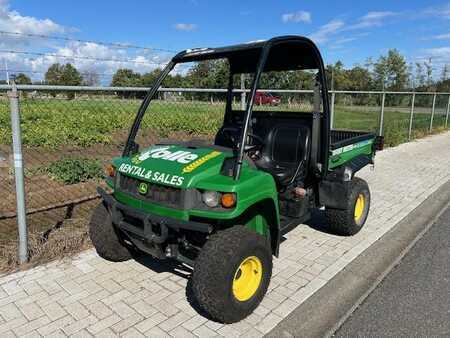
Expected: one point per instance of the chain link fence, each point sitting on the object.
(70, 133)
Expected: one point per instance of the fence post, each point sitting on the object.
(18, 172)
(411, 116)
(446, 115)
(333, 97)
(432, 112)
(380, 129)
(243, 98)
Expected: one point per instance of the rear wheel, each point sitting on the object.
(105, 238)
(232, 273)
(350, 220)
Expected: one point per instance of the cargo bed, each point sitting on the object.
(353, 148)
(340, 137)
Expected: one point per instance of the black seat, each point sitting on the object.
(286, 152)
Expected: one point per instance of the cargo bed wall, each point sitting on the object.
(347, 145)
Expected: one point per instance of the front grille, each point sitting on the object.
(156, 193)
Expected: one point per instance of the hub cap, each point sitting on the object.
(247, 278)
(359, 207)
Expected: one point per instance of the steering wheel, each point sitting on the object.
(231, 132)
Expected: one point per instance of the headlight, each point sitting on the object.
(211, 198)
(110, 171)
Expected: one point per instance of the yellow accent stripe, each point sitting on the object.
(197, 163)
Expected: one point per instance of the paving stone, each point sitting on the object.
(54, 311)
(106, 333)
(174, 321)
(10, 311)
(204, 331)
(194, 322)
(144, 308)
(180, 331)
(99, 309)
(32, 311)
(126, 323)
(87, 296)
(132, 333)
(157, 333)
(31, 326)
(77, 311)
(79, 325)
(122, 309)
(12, 324)
(81, 334)
(103, 324)
(148, 323)
(55, 325)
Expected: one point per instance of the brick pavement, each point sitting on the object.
(88, 296)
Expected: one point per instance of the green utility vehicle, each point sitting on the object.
(222, 207)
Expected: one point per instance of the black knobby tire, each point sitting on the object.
(215, 269)
(343, 222)
(104, 236)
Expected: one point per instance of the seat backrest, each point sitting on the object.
(286, 152)
(287, 144)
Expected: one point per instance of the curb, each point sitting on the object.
(326, 310)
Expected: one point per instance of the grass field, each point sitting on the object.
(51, 123)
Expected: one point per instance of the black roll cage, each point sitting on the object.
(320, 125)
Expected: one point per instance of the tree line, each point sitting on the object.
(389, 72)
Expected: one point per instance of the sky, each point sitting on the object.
(349, 31)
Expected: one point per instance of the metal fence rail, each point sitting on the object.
(69, 133)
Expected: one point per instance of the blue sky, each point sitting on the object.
(346, 30)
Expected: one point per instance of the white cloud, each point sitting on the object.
(326, 31)
(73, 52)
(439, 54)
(442, 11)
(372, 19)
(442, 36)
(300, 16)
(12, 21)
(185, 27)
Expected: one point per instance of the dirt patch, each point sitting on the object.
(66, 240)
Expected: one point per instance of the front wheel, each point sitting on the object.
(349, 221)
(232, 273)
(105, 238)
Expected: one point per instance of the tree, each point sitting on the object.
(445, 70)
(22, 79)
(391, 71)
(127, 78)
(63, 75)
(420, 77)
(53, 75)
(429, 72)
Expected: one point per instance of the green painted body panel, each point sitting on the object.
(197, 169)
(200, 168)
(342, 155)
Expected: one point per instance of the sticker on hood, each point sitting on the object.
(164, 153)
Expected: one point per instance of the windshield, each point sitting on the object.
(190, 104)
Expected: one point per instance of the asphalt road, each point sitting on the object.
(414, 299)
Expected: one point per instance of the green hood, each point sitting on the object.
(172, 165)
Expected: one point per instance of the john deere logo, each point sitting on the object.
(143, 188)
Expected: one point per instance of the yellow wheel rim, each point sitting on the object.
(247, 278)
(359, 207)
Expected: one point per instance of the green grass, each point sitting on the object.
(51, 123)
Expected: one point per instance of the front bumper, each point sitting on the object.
(148, 232)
